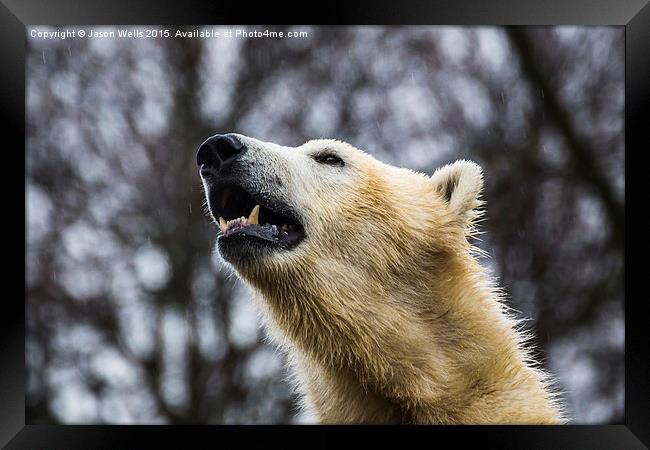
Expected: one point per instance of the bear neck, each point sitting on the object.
(434, 343)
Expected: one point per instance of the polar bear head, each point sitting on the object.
(325, 212)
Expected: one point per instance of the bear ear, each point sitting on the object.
(460, 184)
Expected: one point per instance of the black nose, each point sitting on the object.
(218, 150)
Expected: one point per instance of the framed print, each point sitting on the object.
(396, 215)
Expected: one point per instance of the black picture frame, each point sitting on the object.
(634, 15)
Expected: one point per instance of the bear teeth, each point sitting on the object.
(254, 215)
(252, 219)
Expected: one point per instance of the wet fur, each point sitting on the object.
(384, 311)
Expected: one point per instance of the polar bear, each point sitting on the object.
(366, 278)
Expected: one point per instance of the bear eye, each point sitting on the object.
(329, 158)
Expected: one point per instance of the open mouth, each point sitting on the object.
(241, 216)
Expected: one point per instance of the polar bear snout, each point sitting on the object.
(246, 200)
(219, 150)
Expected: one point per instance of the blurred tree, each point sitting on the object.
(130, 315)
